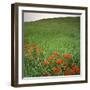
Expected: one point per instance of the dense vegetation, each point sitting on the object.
(52, 47)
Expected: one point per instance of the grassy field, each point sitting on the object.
(52, 47)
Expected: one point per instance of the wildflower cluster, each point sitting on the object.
(55, 64)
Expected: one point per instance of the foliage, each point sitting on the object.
(52, 47)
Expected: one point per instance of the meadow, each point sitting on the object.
(52, 47)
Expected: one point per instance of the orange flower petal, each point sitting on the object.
(51, 57)
(46, 62)
(77, 70)
(55, 53)
(56, 70)
(67, 56)
(60, 61)
(67, 72)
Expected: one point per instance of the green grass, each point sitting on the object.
(58, 34)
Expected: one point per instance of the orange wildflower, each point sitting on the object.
(46, 62)
(51, 57)
(56, 70)
(78, 70)
(55, 54)
(60, 61)
(67, 72)
(75, 69)
(67, 56)
(37, 50)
